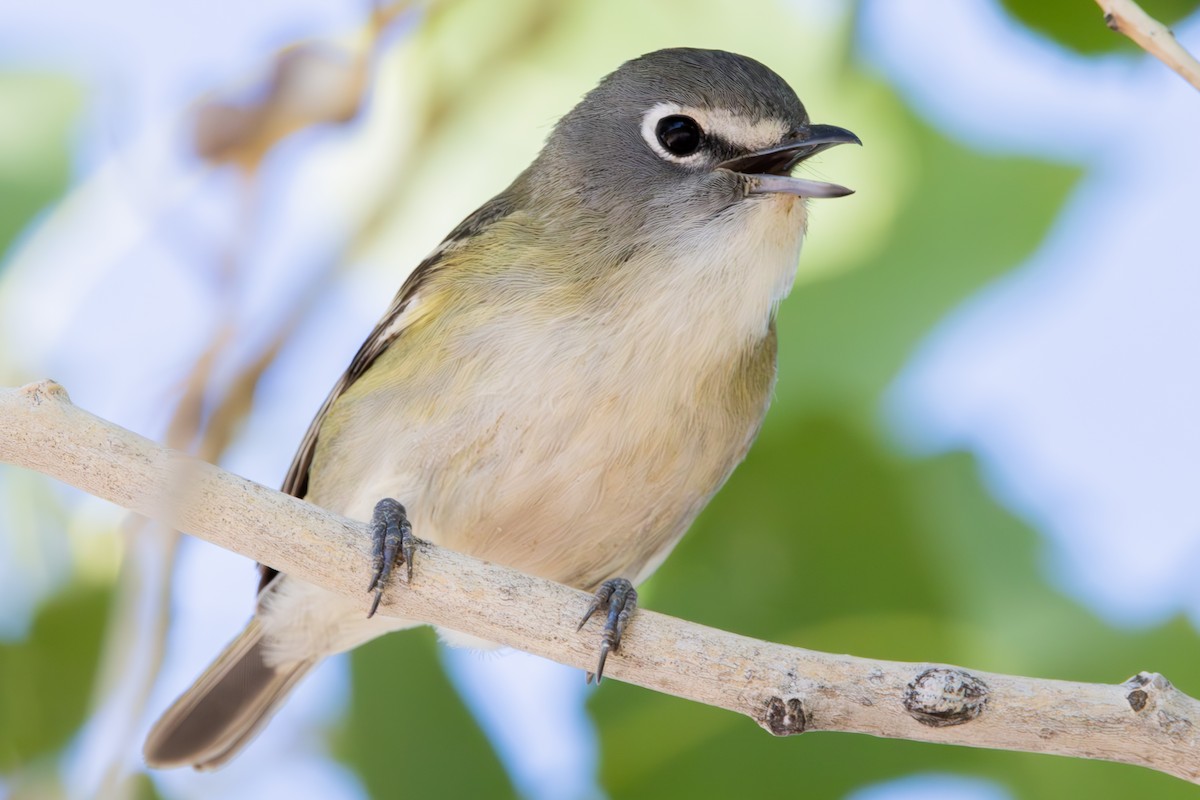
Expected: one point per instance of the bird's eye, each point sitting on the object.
(680, 135)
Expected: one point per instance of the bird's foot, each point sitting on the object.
(619, 598)
(394, 543)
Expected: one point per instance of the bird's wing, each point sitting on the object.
(386, 331)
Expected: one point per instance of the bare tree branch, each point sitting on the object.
(787, 690)
(1128, 18)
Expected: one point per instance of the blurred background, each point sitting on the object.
(983, 449)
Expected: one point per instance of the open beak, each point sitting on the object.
(771, 168)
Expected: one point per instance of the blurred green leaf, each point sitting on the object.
(46, 681)
(143, 788)
(35, 155)
(407, 732)
(1079, 24)
(966, 219)
(822, 488)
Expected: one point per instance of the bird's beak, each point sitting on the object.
(770, 168)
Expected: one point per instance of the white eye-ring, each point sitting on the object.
(673, 134)
(680, 134)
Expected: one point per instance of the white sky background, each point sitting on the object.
(1073, 378)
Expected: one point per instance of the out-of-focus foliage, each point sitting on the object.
(825, 538)
(1074, 23)
(407, 732)
(48, 677)
(34, 146)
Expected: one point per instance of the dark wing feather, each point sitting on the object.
(296, 482)
(384, 333)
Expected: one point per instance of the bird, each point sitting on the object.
(563, 384)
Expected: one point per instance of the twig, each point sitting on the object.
(1128, 18)
(787, 690)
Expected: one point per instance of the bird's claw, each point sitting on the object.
(394, 542)
(620, 599)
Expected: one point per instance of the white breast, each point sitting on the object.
(577, 447)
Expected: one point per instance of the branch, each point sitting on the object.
(1127, 17)
(787, 690)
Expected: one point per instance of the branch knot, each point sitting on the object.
(1145, 689)
(943, 696)
(783, 716)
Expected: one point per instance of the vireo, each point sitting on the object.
(564, 383)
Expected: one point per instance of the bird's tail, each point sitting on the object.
(225, 708)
